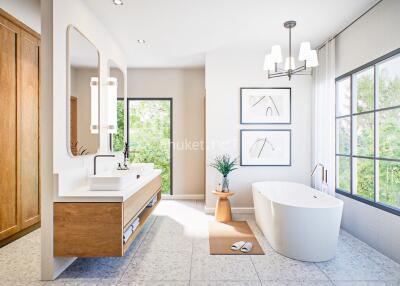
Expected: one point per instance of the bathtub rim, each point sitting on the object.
(339, 204)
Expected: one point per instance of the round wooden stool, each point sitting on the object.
(223, 208)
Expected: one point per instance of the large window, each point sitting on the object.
(368, 133)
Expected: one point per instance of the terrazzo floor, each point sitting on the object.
(173, 251)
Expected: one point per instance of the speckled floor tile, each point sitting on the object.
(155, 283)
(296, 283)
(83, 282)
(165, 242)
(366, 283)
(225, 283)
(156, 266)
(174, 248)
(277, 267)
(22, 283)
(222, 267)
(354, 266)
(20, 260)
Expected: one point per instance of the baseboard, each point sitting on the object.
(19, 234)
(208, 210)
(198, 197)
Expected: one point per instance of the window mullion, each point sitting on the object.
(351, 135)
(376, 143)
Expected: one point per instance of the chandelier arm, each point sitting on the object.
(278, 73)
(304, 73)
(273, 75)
(302, 68)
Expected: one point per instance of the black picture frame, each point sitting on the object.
(242, 131)
(242, 121)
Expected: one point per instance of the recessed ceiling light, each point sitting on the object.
(141, 42)
(118, 2)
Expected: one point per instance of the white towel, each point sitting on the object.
(129, 231)
(152, 202)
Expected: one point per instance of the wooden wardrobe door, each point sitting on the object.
(29, 135)
(9, 192)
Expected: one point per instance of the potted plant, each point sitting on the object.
(224, 164)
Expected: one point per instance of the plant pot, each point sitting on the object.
(225, 184)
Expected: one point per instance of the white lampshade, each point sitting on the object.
(112, 97)
(305, 49)
(268, 64)
(289, 61)
(94, 105)
(276, 54)
(312, 59)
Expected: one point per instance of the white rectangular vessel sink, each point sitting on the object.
(142, 169)
(116, 180)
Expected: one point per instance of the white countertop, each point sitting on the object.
(83, 194)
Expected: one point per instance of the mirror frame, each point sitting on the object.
(110, 147)
(68, 103)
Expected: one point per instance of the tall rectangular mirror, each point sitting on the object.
(83, 94)
(115, 97)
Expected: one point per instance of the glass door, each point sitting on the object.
(150, 135)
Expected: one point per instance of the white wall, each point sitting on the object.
(186, 88)
(374, 35)
(60, 171)
(226, 71)
(27, 11)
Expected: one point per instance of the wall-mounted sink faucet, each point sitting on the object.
(126, 156)
(95, 159)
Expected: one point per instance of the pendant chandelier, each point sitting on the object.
(307, 56)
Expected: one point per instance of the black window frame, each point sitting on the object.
(111, 135)
(170, 99)
(372, 64)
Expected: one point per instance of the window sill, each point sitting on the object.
(380, 206)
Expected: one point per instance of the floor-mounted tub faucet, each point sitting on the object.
(324, 173)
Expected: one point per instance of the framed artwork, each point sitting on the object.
(265, 147)
(265, 105)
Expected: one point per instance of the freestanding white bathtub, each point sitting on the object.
(298, 221)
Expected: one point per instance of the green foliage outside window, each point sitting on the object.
(150, 136)
(387, 143)
(118, 138)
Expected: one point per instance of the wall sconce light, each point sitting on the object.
(94, 105)
(112, 97)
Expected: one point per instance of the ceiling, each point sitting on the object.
(178, 33)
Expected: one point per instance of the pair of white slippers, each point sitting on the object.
(243, 246)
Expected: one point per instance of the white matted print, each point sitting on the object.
(265, 105)
(268, 147)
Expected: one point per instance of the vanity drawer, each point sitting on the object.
(137, 201)
(88, 229)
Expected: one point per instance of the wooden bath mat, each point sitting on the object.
(223, 235)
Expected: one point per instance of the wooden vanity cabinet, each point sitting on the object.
(19, 128)
(95, 229)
